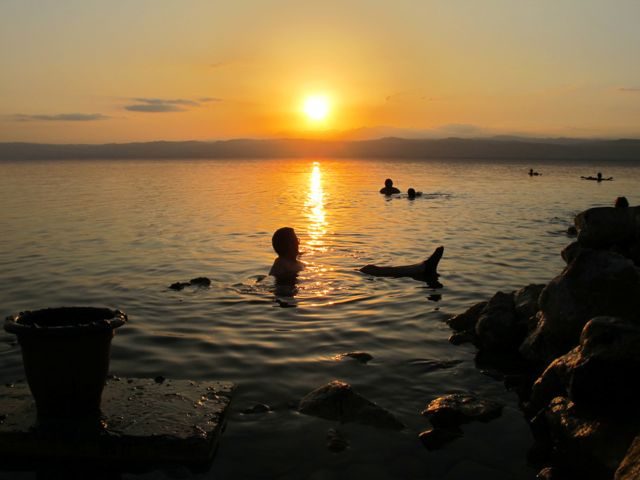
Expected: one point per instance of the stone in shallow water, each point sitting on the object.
(257, 408)
(338, 401)
(458, 408)
(362, 357)
(336, 441)
(143, 422)
(435, 438)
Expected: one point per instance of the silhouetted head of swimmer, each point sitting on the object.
(388, 183)
(411, 193)
(286, 243)
(621, 202)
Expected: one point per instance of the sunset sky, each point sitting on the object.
(116, 71)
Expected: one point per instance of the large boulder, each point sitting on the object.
(601, 375)
(338, 401)
(629, 469)
(588, 447)
(468, 319)
(605, 227)
(497, 327)
(596, 283)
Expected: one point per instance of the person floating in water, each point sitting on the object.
(286, 266)
(412, 194)
(597, 178)
(426, 271)
(533, 174)
(621, 202)
(388, 188)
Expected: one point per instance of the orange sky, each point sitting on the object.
(90, 71)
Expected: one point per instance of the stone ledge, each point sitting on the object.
(143, 421)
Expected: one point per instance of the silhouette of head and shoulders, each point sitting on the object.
(388, 188)
(412, 194)
(287, 245)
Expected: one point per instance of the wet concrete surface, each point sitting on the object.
(143, 421)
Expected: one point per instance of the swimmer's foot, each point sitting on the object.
(431, 268)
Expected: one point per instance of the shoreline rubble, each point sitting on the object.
(576, 345)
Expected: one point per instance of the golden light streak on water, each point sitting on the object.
(315, 212)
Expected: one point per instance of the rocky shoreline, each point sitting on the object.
(571, 350)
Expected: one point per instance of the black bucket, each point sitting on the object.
(66, 354)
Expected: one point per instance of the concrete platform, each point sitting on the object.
(143, 422)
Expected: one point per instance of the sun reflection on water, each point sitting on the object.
(315, 242)
(315, 212)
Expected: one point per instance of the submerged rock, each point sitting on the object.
(194, 282)
(362, 357)
(200, 282)
(336, 441)
(257, 408)
(457, 408)
(434, 438)
(338, 401)
(179, 285)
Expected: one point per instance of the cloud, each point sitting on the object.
(61, 117)
(160, 105)
(629, 90)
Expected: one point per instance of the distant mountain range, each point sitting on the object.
(495, 148)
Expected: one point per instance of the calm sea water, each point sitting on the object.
(118, 233)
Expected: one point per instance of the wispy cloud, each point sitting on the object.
(60, 117)
(629, 89)
(160, 105)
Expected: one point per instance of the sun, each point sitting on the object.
(316, 107)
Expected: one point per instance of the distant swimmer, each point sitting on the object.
(621, 202)
(412, 194)
(388, 188)
(286, 267)
(598, 178)
(533, 174)
(426, 271)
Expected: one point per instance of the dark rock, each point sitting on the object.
(571, 251)
(200, 282)
(498, 327)
(435, 438)
(591, 448)
(526, 302)
(428, 365)
(459, 338)
(467, 320)
(257, 408)
(338, 401)
(596, 283)
(610, 362)
(159, 379)
(362, 357)
(458, 408)
(629, 468)
(336, 441)
(179, 285)
(551, 473)
(604, 227)
(600, 374)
